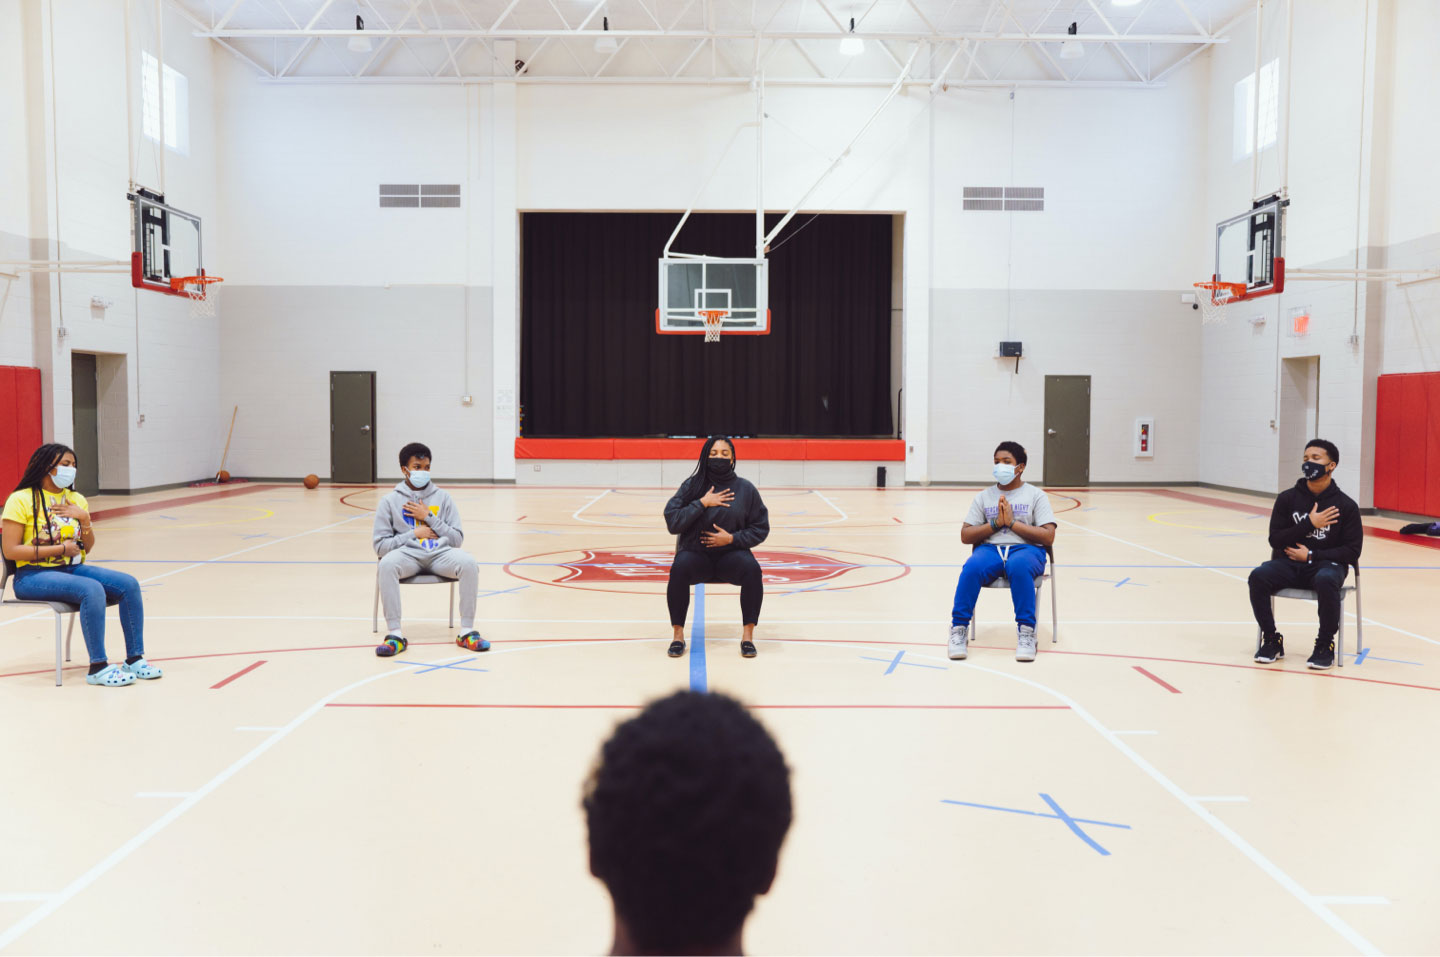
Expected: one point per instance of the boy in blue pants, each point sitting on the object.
(1010, 524)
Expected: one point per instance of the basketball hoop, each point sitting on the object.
(203, 299)
(713, 318)
(1213, 297)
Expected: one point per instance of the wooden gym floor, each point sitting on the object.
(1141, 788)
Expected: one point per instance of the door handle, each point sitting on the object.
(364, 428)
(1051, 432)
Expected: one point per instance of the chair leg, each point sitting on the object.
(1054, 612)
(1359, 615)
(375, 616)
(57, 649)
(69, 633)
(452, 606)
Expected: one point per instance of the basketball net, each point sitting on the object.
(713, 319)
(1213, 297)
(204, 293)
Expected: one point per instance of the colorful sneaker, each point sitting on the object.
(143, 670)
(959, 645)
(1272, 649)
(1025, 643)
(111, 677)
(1323, 657)
(392, 645)
(471, 640)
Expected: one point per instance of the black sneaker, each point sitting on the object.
(1323, 656)
(1271, 649)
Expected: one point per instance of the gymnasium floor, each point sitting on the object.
(1141, 788)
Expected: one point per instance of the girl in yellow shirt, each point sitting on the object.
(46, 537)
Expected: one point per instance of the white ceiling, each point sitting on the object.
(954, 42)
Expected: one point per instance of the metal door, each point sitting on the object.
(85, 410)
(352, 426)
(1067, 430)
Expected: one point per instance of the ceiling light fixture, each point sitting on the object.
(852, 45)
(359, 43)
(606, 43)
(1072, 49)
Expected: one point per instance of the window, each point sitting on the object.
(177, 104)
(1269, 124)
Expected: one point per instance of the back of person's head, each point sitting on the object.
(687, 810)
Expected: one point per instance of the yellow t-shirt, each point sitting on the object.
(20, 507)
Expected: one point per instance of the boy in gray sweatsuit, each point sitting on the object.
(417, 529)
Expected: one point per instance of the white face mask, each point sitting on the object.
(64, 475)
(418, 478)
(1004, 473)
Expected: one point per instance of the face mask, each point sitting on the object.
(719, 468)
(64, 475)
(418, 478)
(1004, 473)
(1312, 470)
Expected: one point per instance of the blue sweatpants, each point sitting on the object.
(986, 563)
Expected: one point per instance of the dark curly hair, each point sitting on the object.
(1015, 449)
(1327, 447)
(414, 450)
(687, 810)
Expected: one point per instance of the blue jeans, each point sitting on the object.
(985, 564)
(90, 588)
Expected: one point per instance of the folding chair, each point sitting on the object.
(1307, 594)
(423, 578)
(1048, 575)
(60, 608)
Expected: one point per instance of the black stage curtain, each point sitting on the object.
(592, 364)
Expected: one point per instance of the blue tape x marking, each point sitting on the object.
(893, 662)
(1073, 823)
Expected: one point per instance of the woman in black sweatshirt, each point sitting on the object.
(718, 517)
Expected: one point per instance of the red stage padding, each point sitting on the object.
(829, 450)
(20, 405)
(1407, 443)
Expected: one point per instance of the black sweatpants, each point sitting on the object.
(1324, 578)
(735, 568)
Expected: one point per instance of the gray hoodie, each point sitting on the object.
(394, 529)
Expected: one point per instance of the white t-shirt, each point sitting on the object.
(1030, 504)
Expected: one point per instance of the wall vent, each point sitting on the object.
(417, 196)
(1018, 199)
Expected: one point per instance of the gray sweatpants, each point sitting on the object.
(451, 563)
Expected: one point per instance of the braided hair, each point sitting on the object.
(42, 461)
(687, 810)
(696, 485)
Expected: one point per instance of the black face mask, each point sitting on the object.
(1312, 470)
(719, 470)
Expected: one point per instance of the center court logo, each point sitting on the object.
(649, 568)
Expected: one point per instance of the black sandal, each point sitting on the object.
(747, 649)
(677, 648)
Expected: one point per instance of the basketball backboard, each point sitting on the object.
(691, 286)
(1250, 249)
(167, 244)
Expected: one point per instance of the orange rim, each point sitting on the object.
(180, 282)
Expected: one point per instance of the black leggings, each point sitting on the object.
(734, 568)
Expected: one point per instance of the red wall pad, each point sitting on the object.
(794, 450)
(20, 411)
(1407, 443)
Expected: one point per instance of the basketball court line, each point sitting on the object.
(121, 511)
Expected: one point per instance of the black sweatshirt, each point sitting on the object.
(1290, 525)
(746, 518)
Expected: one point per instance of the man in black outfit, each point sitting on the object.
(1315, 536)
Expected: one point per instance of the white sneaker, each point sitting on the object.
(959, 645)
(1025, 644)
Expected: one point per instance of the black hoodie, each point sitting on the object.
(1290, 525)
(746, 518)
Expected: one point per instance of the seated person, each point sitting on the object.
(417, 529)
(1010, 524)
(686, 813)
(47, 537)
(1315, 536)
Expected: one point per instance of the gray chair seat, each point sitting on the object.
(60, 608)
(423, 578)
(1306, 594)
(1047, 576)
